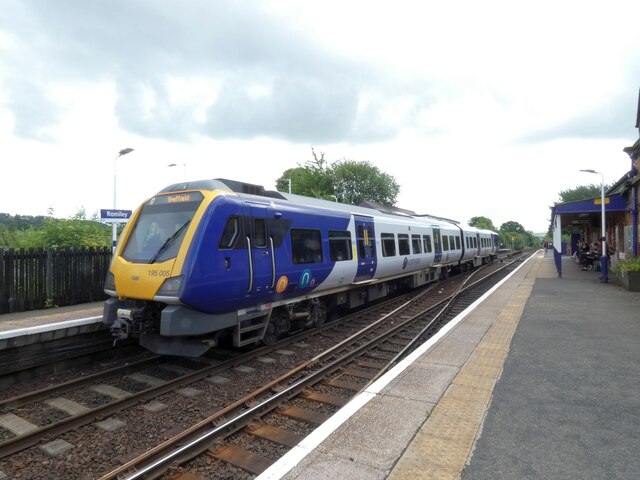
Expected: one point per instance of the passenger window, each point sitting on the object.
(427, 243)
(416, 244)
(230, 234)
(306, 246)
(340, 246)
(403, 244)
(457, 243)
(260, 231)
(388, 244)
(445, 243)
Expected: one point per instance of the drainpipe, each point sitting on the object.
(634, 216)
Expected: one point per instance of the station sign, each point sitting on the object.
(115, 216)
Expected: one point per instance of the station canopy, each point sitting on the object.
(583, 212)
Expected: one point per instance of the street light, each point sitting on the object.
(288, 180)
(122, 152)
(603, 250)
(184, 169)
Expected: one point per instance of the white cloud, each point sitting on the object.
(498, 103)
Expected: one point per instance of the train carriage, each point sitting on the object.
(203, 261)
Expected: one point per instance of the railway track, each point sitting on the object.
(311, 368)
(127, 385)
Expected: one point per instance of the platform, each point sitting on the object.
(24, 328)
(539, 380)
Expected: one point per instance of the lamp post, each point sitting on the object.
(122, 152)
(603, 253)
(288, 180)
(184, 169)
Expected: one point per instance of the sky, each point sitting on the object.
(475, 108)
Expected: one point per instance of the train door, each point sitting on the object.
(437, 246)
(479, 240)
(366, 244)
(260, 247)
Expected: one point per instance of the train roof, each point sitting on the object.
(222, 184)
(366, 208)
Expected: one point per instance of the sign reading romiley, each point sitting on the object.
(115, 216)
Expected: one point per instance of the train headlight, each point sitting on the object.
(110, 283)
(171, 287)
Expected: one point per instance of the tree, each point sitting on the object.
(6, 237)
(482, 222)
(76, 231)
(513, 235)
(347, 180)
(313, 179)
(511, 226)
(354, 182)
(582, 192)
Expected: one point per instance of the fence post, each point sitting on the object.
(3, 284)
(49, 301)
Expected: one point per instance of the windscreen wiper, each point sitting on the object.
(169, 241)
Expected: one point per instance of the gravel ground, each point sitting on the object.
(96, 451)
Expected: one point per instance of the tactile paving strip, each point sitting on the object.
(443, 444)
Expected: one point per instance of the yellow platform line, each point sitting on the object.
(442, 446)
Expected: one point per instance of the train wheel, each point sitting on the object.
(283, 323)
(318, 314)
(270, 335)
(279, 325)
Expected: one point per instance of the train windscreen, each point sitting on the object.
(160, 228)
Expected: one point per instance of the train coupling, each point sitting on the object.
(121, 328)
(132, 322)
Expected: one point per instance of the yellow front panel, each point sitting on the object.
(140, 280)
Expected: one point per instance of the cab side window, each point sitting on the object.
(230, 234)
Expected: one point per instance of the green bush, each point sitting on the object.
(629, 265)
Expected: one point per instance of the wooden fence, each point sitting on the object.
(39, 278)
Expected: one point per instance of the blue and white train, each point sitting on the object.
(217, 259)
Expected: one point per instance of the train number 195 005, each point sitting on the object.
(159, 273)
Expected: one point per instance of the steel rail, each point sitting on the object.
(159, 461)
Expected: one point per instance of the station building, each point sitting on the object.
(573, 222)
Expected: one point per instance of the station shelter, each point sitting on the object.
(572, 222)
